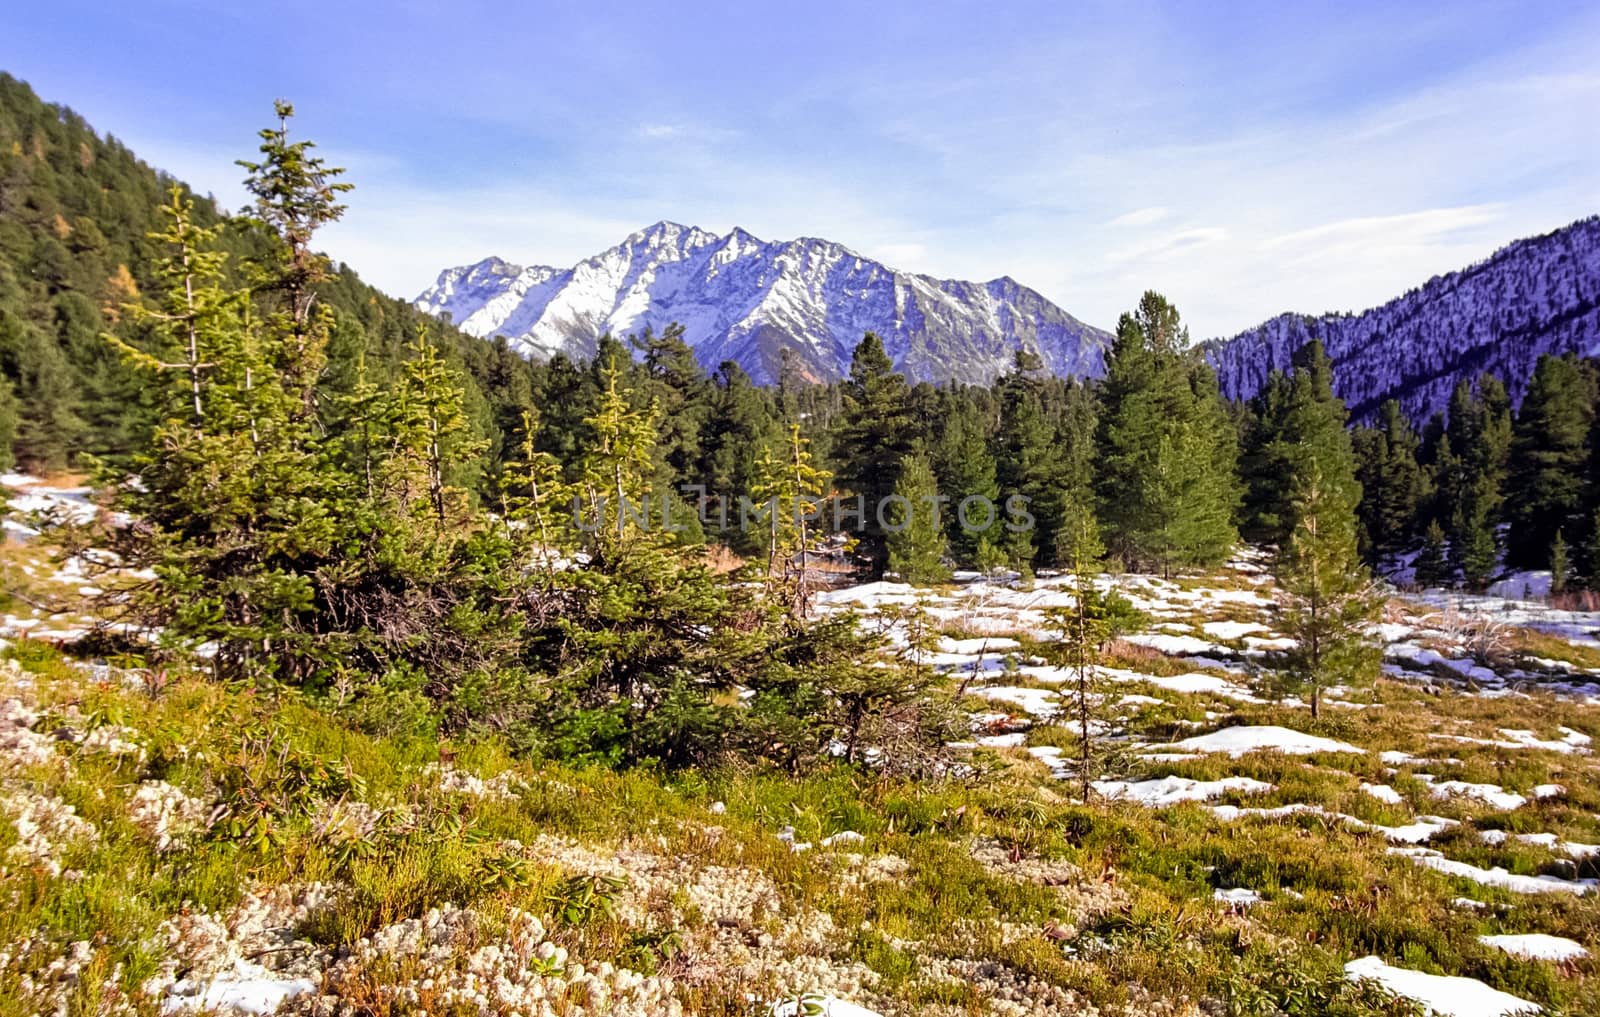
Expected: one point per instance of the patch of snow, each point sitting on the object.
(1015, 740)
(1237, 741)
(824, 1006)
(1041, 703)
(1537, 946)
(249, 988)
(1492, 795)
(1440, 995)
(1172, 790)
(1172, 645)
(1237, 897)
(1496, 877)
(1229, 630)
(1383, 793)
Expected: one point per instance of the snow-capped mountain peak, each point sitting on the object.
(748, 300)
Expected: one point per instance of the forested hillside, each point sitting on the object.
(1540, 295)
(76, 213)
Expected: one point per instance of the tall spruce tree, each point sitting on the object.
(233, 518)
(1471, 468)
(873, 438)
(1166, 486)
(966, 469)
(1027, 463)
(1547, 459)
(1394, 486)
(1304, 425)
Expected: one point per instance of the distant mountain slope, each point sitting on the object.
(748, 300)
(1539, 295)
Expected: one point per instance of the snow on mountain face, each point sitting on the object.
(1539, 295)
(747, 300)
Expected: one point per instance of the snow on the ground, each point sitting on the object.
(1492, 795)
(248, 988)
(1171, 790)
(1496, 877)
(1578, 627)
(1572, 849)
(1383, 793)
(1228, 630)
(1014, 740)
(1240, 897)
(1197, 683)
(1441, 995)
(982, 645)
(1533, 585)
(29, 495)
(1415, 833)
(1041, 703)
(867, 595)
(1051, 756)
(1537, 946)
(823, 1006)
(1236, 741)
(1520, 738)
(1165, 642)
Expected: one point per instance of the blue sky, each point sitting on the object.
(1243, 158)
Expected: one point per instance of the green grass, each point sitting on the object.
(1108, 904)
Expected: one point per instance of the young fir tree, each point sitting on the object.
(430, 440)
(1548, 457)
(8, 424)
(620, 464)
(1560, 567)
(1432, 565)
(638, 633)
(296, 193)
(197, 490)
(792, 488)
(1326, 600)
(873, 438)
(1166, 490)
(1085, 626)
(915, 534)
(535, 503)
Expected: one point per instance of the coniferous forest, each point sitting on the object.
(343, 547)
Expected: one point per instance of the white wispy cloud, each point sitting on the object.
(1409, 227)
(1141, 217)
(1173, 245)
